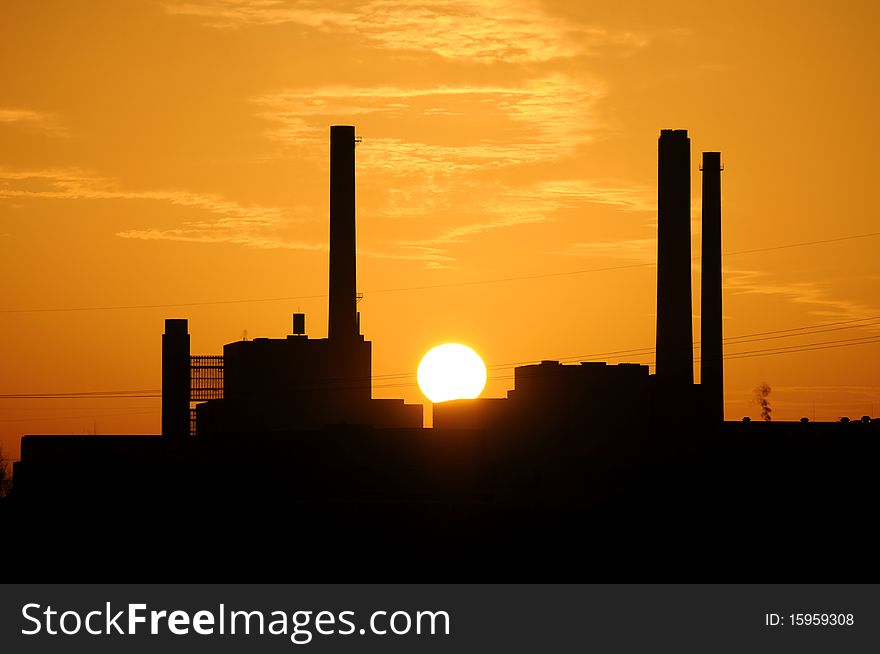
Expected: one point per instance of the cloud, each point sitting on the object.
(216, 234)
(249, 225)
(536, 203)
(475, 141)
(541, 121)
(61, 184)
(812, 294)
(474, 30)
(459, 234)
(20, 116)
(465, 172)
(637, 249)
(43, 121)
(254, 226)
(632, 197)
(212, 234)
(432, 257)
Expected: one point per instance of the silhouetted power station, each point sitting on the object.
(621, 396)
(277, 385)
(276, 452)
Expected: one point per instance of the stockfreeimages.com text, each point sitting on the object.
(300, 626)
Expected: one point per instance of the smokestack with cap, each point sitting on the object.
(675, 358)
(711, 348)
(343, 322)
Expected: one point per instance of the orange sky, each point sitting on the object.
(159, 152)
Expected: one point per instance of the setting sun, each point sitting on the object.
(451, 372)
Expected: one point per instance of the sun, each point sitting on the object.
(451, 372)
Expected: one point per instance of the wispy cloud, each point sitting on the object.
(536, 203)
(460, 233)
(545, 118)
(632, 197)
(475, 30)
(208, 235)
(431, 257)
(465, 170)
(814, 296)
(216, 234)
(46, 122)
(254, 226)
(637, 249)
(62, 184)
(230, 222)
(20, 116)
(466, 181)
(542, 120)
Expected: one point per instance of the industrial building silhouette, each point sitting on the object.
(276, 449)
(622, 397)
(293, 383)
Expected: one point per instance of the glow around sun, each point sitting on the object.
(451, 372)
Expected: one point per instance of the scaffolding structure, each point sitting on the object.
(206, 377)
(206, 382)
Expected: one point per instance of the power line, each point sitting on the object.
(804, 244)
(794, 329)
(809, 333)
(807, 347)
(748, 354)
(730, 340)
(163, 306)
(791, 332)
(30, 407)
(428, 286)
(82, 396)
(81, 417)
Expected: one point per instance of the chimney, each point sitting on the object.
(675, 359)
(711, 349)
(175, 379)
(299, 324)
(343, 322)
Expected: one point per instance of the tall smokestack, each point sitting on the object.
(675, 357)
(342, 323)
(711, 349)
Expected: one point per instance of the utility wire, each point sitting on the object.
(75, 396)
(82, 417)
(31, 407)
(748, 354)
(429, 286)
(792, 332)
(807, 347)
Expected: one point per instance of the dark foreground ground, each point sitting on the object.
(741, 503)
